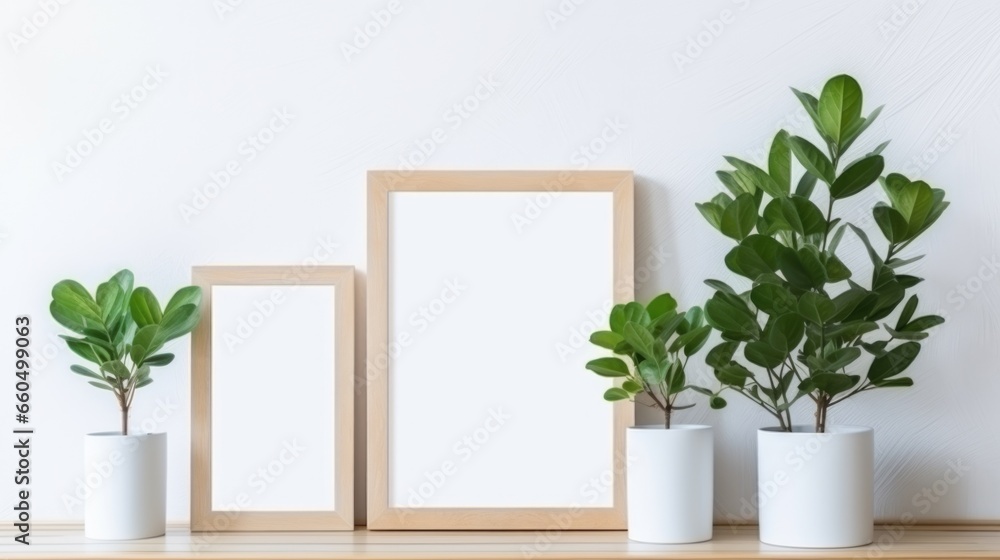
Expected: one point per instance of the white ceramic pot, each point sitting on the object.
(816, 490)
(669, 483)
(126, 478)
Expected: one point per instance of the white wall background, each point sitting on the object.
(555, 85)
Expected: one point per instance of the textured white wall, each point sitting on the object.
(552, 77)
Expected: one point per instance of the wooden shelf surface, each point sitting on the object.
(69, 543)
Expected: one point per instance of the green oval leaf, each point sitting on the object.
(616, 394)
(763, 354)
(116, 368)
(628, 312)
(894, 361)
(661, 305)
(758, 177)
(608, 367)
(639, 337)
(816, 308)
(857, 177)
(184, 296)
(839, 107)
(730, 314)
(158, 360)
(145, 309)
(85, 372)
(652, 372)
(104, 386)
(632, 387)
(785, 332)
(779, 162)
(739, 219)
(180, 321)
(815, 162)
(891, 222)
(721, 354)
(606, 339)
(773, 299)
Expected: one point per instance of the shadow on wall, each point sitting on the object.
(360, 398)
(655, 240)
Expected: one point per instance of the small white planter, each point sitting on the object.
(670, 484)
(126, 478)
(816, 490)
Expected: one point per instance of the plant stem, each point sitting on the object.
(829, 214)
(770, 410)
(664, 406)
(821, 407)
(777, 397)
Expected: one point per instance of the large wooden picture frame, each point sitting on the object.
(548, 244)
(300, 474)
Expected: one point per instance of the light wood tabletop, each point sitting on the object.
(68, 542)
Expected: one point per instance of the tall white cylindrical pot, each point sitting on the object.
(669, 482)
(126, 486)
(816, 490)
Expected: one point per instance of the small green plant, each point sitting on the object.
(658, 341)
(121, 330)
(807, 318)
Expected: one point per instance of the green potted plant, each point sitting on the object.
(807, 327)
(670, 466)
(122, 332)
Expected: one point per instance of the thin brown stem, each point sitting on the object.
(822, 405)
(124, 420)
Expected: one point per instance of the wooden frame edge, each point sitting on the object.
(380, 183)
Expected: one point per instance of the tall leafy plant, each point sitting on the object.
(807, 319)
(122, 331)
(657, 340)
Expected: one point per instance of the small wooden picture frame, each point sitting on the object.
(272, 418)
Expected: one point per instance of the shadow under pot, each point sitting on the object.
(816, 490)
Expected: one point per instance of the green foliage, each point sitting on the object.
(121, 330)
(807, 319)
(656, 340)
